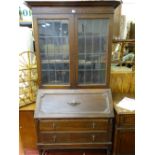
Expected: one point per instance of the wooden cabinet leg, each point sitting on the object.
(42, 152)
(108, 152)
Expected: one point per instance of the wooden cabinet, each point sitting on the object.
(74, 119)
(124, 134)
(27, 129)
(73, 47)
(73, 42)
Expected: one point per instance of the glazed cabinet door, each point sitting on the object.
(93, 34)
(73, 50)
(54, 43)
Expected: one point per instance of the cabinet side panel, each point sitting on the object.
(27, 129)
(124, 143)
(35, 31)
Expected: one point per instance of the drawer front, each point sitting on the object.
(53, 138)
(75, 125)
(126, 120)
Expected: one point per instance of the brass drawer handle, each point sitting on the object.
(93, 138)
(73, 103)
(54, 138)
(53, 125)
(93, 125)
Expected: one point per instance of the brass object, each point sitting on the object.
(93, 125)
(54, 138)
(73, 103)
(28, 78)
(93, 138)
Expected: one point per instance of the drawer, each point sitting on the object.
(126, 120)
(84, 137)
(75, 125)
(78, 152)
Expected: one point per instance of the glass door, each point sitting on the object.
(54, 36)
(92, 46)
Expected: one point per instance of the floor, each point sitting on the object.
(31, 152)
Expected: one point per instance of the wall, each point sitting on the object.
(127, 16)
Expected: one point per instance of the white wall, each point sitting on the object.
(128, 9)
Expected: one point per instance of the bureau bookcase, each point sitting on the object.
(73, 48)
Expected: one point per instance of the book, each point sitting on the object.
(127, 103)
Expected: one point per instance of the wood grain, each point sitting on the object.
(27, 129)
(124, 133)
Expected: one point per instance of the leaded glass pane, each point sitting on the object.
(54, 51)
(92, 50)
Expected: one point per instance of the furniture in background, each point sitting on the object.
(28, 79)
(21, 149)
(123, 53)
(27, 127)
(123, 67)
(122, 81)
(124, 128)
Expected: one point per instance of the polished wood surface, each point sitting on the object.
(27, 129)
(112, 3)
(76, 127)
(124, 133)
(92, 109)
(125, 138)
(74, 103)
(21, 148)
(77, 152)
(75, 124)
(124, 142)
(73, 137)
(68, 10)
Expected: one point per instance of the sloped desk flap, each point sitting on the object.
(74, 103)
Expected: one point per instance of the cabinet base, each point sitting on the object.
(76, 152)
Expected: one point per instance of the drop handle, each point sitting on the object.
(93, 125)
(93, 138)
(53, 125)
(73, 103)
(54, 138)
